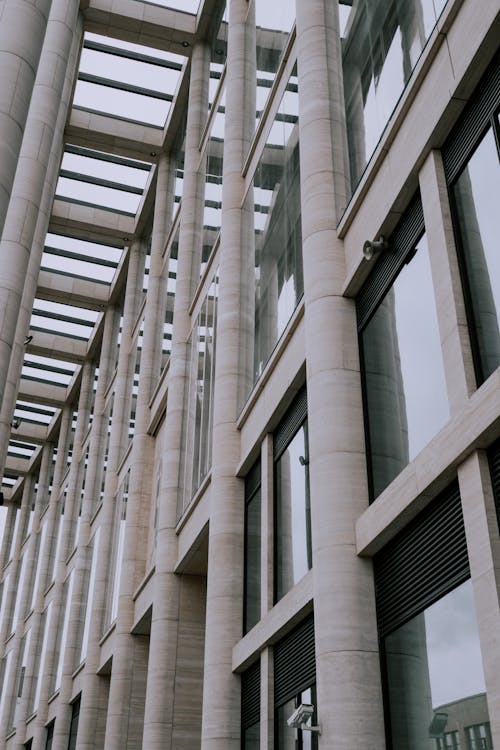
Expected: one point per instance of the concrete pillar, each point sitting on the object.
(16, 589)
(28, 186)
(160, 725)
(125, 715)
(483, 545)
(22, 29)
(347, 659)
(10, 523)
(91, 702)
(34, 552)
(452, 320)
(221, 688)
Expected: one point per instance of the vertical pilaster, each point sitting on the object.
(453, 329)
(483, 545)
(348, 672)
(125, 720)
(91, 694)
(221, 688)
(159, 721)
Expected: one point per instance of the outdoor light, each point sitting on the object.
(374, 247)
(438, 724)
(185, 44)
(300, 717)
(28, 340)
(15, 424)
(152, 153)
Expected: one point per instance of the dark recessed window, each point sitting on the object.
(251, 615)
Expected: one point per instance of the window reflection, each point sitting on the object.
(272, 228)
(435, 677)
(475, 198)
(288, 738)
(382, 42)
(293, 514)
(273, 24)
(405, 388)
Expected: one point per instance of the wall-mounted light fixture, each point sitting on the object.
(300, 718)
(16, 423)
(28, 340)
(374, 247)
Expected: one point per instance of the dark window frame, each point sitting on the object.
(253, 485)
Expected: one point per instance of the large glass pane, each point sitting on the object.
(273, 24)
(382, 42)
(252, 554)
(405, 388)
(435, 676)
(272, 219)
(475, 196)
(293, 514)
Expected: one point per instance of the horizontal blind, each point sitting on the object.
(290, 423)
(464, 137)
(422, 563)
(401, 242)
(294, 662)
(250, 696)
(494, 461)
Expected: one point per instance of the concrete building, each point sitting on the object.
(249, 369)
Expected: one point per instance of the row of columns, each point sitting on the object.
(348, 672)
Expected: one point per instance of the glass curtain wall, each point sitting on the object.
(212, 213)
(117, 551)
(382, 41)
(253, 542)
(406, 399)
(477, 222)
(197, 439)
(273, 23)
(434, 673)
(170, 270)
(293, 551)
(274, 202)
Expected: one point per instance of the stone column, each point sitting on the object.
(221, 688)
(347, 659)
(91, 693)
(34, 551)
(160, 725)
(450, 307)
(483, 545)
(125, 719)
(10, 523)
(22, 30)
(27, 189)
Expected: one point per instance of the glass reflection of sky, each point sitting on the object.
(453, 652)
(485, 183)
(420, 351)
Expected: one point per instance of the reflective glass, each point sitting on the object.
(383, 40)
(434, 673)
(251, 737)
(406, 397)
(272, 217)
(288, 738)
(475, 195)
(293, 554)
(212, 213)
(252, 557)
(273, 22)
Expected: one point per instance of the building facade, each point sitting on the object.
(249, 367)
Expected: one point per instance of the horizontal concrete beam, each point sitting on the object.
(142, 23)
(30, 433)
(113, 136)
(42, 393)
(17, 466)
(71, 290)
(90, 222)
(60, 347)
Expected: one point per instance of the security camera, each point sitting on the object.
(374, 247)
(301, 716)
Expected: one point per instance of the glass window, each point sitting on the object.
(434, 671)
(93, 551)
(405, 391)
(117, 551)
(50, 735)
(273, 24)
(479, 737)
(288, 738)
(477, 221)
(293, 553)
(73, 730)
(276, 261)
(212, 212)
(252, 548)
(382, 42)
